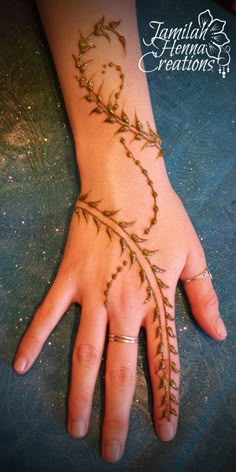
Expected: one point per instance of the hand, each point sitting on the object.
(98, 260)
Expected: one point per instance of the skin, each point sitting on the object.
(90, 258)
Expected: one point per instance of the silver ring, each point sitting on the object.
(203, 275)
(123, 339)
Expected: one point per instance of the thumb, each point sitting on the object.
(201, 294)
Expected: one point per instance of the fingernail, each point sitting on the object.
(78, 429)
(166, 432)
(220, 328)
(20, 364)
(112, 451)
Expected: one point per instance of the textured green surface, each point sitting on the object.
(39, 183)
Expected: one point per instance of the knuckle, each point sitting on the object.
(85, 355)
(122, 375)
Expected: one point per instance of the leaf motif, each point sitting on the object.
(160, 348)
(85, 214)
(123, 244)
(89, 98)
(83, 67)
(169, 317)
(90, 45)
(122, 41)
(165, 399)
(173, 384)
(110, 110)
(151, 132)
(173, 412)
(161, 284)
(106, 36)
(77, 210)
(90, 84)
(133, 257)
(82, 43)
(156, 314)
(94, 204)
(166, 302)
(110, 119)
(113, 24)
(99, 97)
(96, 110)
(149, 144)
(124, 224)
(170, 332)
(150, 294)
(83, 197)
(82, 81)
(162, 365)
(109, 232)
(138, 137)
(138, 124)
(99, 25)
(163, 382)
(172, 349)
(78, 61)
(148, 253)
(164, 414)
(137, 239)
(173, 399)
(143, 275)
(98, 33)
(97, 223)
(174, 367)
(110, 213)
(125, 118)
(157, 269)
(122, 129)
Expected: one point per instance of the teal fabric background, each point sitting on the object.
(195, 114)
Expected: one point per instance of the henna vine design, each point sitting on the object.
(133, 247)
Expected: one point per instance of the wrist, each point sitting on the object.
(131, 185)
(103, 161)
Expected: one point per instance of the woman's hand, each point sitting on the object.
(117, 281)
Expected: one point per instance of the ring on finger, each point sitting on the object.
(203, 275)
(123, 339)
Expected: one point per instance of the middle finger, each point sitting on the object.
(120, 385)
(86, 362)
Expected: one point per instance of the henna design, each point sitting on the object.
(130, 155)
(150, 137)
(131, 244)
(113, 277)
(148, 274)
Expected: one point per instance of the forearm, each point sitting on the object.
(97, 142)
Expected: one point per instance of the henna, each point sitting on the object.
(110, 282)
(130, 243)
(148, 273)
